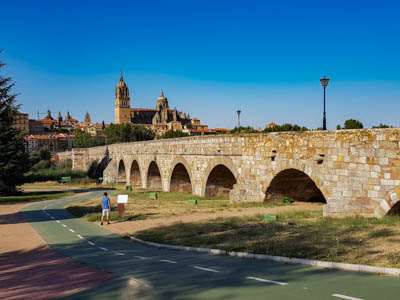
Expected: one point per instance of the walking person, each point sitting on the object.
(105, 208)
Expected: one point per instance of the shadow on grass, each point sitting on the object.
(327, 240)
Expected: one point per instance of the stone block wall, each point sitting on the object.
(357, 171)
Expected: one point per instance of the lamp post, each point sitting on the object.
(324, 83)
(238, 113)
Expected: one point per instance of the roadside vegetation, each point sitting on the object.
(44, 169)
(300, 234)
(35, 196)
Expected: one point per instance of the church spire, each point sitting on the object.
(162, 93)
(121, 78)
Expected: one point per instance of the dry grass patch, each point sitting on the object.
(168, 205)
(302, 234)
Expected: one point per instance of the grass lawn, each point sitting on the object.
(301, 234)
(35, 196)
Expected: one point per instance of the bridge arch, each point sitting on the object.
(153, 176)
(180, 176)
(121, 178)
(135, 174)
(294, 184)
(221, 175)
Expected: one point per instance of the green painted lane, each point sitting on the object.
(150, 273)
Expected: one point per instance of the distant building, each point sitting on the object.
(160, 119)
(87, 118)
(222, 130)
(68, 120)
(35, 127)
(202, 132)
(21, 122)
(55, 142)
(270, 125)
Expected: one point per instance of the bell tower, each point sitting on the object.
(122, 103)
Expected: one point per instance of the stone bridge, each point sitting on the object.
(355, 172)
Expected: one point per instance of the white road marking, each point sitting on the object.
(58, 222)
(71, 230)
(268, 281)
(119, 253)
(91, 243)
(345, 297)
(64, 225)
(205, 269)
(169, 261)
(104, 249)
(79, 236)
(141, 257)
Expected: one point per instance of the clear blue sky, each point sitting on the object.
(210, 57)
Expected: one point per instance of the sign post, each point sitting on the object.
(121, 200)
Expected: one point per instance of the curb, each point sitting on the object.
(281, 259)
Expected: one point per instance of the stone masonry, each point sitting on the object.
(357, 172)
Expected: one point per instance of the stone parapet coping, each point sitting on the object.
(282, 259)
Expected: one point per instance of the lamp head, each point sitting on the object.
(324, 81)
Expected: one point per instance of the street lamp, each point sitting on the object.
(238, 113)
(324, 83)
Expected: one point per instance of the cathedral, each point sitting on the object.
(160, 119)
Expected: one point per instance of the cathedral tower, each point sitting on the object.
(122, 103)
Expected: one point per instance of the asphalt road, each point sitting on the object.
(150, 273)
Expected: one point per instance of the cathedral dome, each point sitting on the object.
(87, 118)
(162, 102)
(121, 82)
(162, 97)
(121, 91)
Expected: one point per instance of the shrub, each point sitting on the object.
(41, 165)
(53, 174)
(66, 164)
(287, 200)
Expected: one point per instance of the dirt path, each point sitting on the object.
(134, 226)
(29, 269)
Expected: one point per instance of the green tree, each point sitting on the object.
(285, 127)
(247, 129)
(382, 126)
(14, 160)
(45, 153)
(352, 124)
(174, 134)
(85, 140)
(124, 133)
(338, 127)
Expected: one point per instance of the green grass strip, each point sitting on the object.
(35, 196)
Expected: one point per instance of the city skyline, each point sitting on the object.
(210, 59)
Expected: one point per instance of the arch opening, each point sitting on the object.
(121, 172)
(180, 179)
(395, 210)
(153, 176)
(136, 179)
(220, 181)
(294, 184)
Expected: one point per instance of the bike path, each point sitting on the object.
(151, 273)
